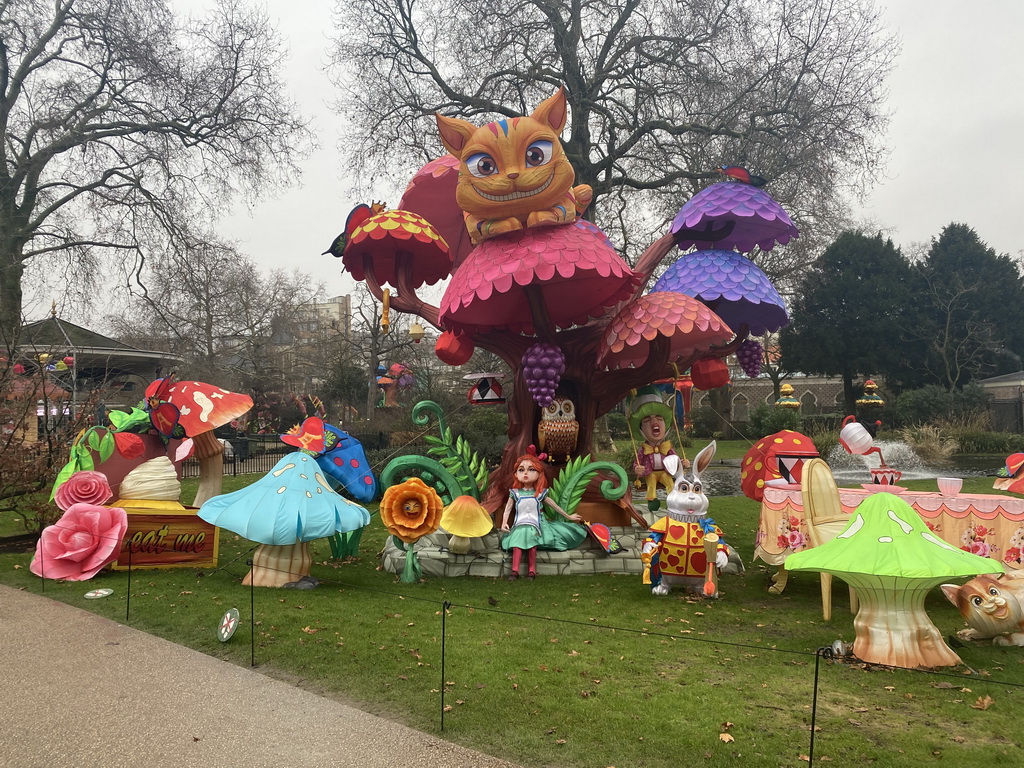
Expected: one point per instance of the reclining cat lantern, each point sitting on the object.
(514, 173)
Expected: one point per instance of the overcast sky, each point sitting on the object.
(955, 137)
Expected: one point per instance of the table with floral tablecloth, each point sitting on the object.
(985, 524)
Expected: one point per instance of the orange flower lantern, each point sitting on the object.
(709, 373)
(409, 511)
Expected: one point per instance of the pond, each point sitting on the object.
(724, 480)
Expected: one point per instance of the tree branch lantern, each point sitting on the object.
(544, 289)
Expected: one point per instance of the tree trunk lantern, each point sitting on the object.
(709, 373)
(529, 275)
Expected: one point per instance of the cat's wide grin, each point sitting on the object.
(516, 195)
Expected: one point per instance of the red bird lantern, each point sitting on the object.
(709, 373)
(454, 348)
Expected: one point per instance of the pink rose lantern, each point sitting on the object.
(84, 488)
(81, 543)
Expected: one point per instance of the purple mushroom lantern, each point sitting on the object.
(732, 215)
(732, 286)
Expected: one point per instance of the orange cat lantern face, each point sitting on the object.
(513, 173)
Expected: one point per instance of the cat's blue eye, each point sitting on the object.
(481, 164)
(539, 153)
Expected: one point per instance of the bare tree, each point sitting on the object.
(125, 129)
(234, 326)
(370, 345)
(958, 340)
(662, 92)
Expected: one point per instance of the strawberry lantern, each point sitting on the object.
(709, 373)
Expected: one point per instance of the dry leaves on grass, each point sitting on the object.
(728, 738)
(309, 630)
(983, 702)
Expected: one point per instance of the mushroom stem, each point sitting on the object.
(210, 453)
(275, 566)
(892, 626)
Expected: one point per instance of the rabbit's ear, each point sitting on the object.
(672, 465)
(703, 458)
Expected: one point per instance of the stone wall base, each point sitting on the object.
(486, 558)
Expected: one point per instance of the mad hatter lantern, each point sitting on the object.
(649, 418)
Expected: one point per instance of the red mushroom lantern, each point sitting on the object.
(779, 456)
(709, 373)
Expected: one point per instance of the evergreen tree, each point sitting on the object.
(971, 302)
(850, 312)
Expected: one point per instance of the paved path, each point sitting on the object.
(78, 690)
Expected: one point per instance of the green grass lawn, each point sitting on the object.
(586, 671)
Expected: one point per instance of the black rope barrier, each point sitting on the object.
(446, 606)
(128, 601)
(444, 672)
(252, 617)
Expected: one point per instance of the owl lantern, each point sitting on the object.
(558, 429)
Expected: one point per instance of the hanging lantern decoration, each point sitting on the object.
(709, 373)
(786, 398)
(416, 333)
(870, 398)
(385, 312)
(454, 348)
(486, 389)
(19, 368)
(684, 388)
(69, 361)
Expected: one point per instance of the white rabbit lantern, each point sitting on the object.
(685, 547)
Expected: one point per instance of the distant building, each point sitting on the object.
(1007, 404)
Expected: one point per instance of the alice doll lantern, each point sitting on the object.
(531, 526)
(650, 416)
(410, 511)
